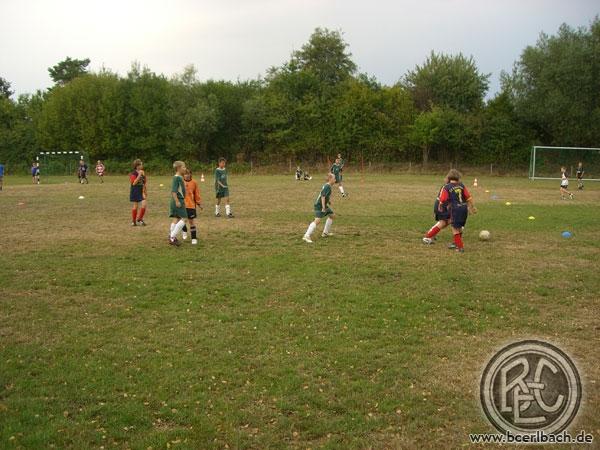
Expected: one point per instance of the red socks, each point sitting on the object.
(434, 230)
(133, 214)
(142, 212)
(458, 240)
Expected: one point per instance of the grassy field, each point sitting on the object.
(110, 338)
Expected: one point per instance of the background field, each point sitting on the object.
(254, 339)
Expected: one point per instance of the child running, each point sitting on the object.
(579, 174)
(322, 209)
(455, 197)
(138, 193)
(100, 170)
(564, 184)
(336, 169)
(222, 189)
(192, 199)
(441, 215)
(177, 209)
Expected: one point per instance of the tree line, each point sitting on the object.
(315, 105)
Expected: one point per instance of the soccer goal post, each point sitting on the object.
(59, 163)
(545, 162)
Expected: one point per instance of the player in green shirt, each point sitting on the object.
(222, 189)
(177, 204)
(322, 209)
(336, 169)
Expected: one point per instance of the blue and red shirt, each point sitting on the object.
(454, 194)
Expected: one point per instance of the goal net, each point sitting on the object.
(59, 163)
(545, 162)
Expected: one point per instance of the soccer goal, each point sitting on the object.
(545, 162)
(59, 163)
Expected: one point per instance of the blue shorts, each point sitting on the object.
(459, 216)
(440, 215)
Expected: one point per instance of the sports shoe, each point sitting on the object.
(174, 241)
(326, 234)
(344, 195)
(451, 245)
(141, 223)
(230, 216)
(218, 215)
(184, 235)
(427, 241)
(133, 224)
(194, 241)
(571, 196)
(307, 239)
(460, 250)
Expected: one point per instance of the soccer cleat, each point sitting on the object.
(194, 241)
(427, 241)
(307, 239)
(184, 235)
(452, 246)
(174, 241)
(133, 224)
(571, 196)
(218, 215)
(326, 234)
(141, 223)
(460, 250)
(230, 216)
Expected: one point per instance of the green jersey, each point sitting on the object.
(336, 169)
(325, 192)
(178, 186)
(220, 177)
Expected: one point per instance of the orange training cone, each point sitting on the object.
(475, 182)
(202, 178)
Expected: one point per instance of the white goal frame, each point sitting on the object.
(77, 156)
(532, 160)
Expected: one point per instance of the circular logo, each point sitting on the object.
(530, 386)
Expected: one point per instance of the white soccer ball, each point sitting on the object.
(484, 235)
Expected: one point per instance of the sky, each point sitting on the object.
(241, 39)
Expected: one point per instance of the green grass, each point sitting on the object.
(254, 339)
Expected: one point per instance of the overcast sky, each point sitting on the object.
(231, 39)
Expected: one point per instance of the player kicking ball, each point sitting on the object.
(322, 209)
(457, 199)
(222, 189)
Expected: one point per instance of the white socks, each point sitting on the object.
(176, 228)
(217, 209)
(227, 209)
(342, 189)
(172, 227)
(328, 224)
(311, 229)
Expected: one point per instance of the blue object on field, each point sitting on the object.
(566, 234)
(1, 170)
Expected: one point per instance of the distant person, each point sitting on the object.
(458, 200)
(100, 170)
(564, 184)
(82, 172)
(579, 174)
(137, 193)
(1, 176)
(222, 189)
(322, 209)
(336, 170)
(35, 172)
(192, 200)
(177, 210)
(302, 175)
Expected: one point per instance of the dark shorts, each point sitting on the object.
(579, 176)
(191, 213)
(222, 193)
(320, 214)
(564, 186)
(440, 215)
(338, 179)
(459, 216)
(135, 196)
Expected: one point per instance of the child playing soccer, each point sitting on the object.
(35, 172)
(100, 170)
(442, 217)
(192, 199)
(458, 200)
(336, 170)
(177, 209)
(137, 193)
(580, 173)
(82, 172)
(564, 184)
(322, 209)
(222, 189)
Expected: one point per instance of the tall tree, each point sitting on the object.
(5, 88)
(68, 70)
